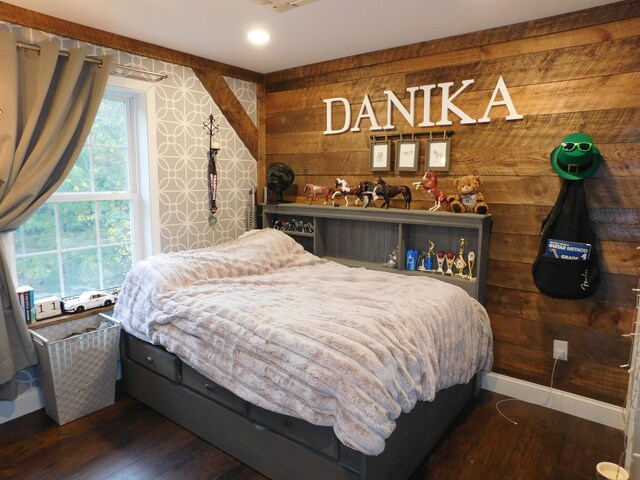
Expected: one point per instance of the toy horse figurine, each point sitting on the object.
(367, 192)
(343, 188)
(429, 183)
(313, 190)
(389, 191)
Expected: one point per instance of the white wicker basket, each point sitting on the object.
(77, 373)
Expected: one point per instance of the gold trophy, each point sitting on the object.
(460, 262)
(428, 259)
(472, 260)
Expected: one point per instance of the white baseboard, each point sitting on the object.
(27, 402)
(576, 405)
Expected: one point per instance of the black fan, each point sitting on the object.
(279, 178)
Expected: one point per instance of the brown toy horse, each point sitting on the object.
(389, 191)
(430, 184)
(363, 192)
(314, 190)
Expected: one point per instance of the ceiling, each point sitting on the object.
(318, 31)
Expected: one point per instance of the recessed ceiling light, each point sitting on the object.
(258, 37)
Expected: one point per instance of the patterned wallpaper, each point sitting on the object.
(182, 105)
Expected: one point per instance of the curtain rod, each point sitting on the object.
(115, 66)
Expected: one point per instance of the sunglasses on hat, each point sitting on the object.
(582, 146)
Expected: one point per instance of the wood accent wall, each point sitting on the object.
(576, 72)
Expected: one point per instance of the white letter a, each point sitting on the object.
(502, 88)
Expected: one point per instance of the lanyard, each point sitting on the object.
(211, 127)
(213, 185)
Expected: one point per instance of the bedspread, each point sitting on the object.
(299, 335)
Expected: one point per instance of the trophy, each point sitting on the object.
(450, 260)
(412, 259)
(421, 262)
(427, 261)
(393, 260)
(440, 259)
(471, 257)
(460, 262)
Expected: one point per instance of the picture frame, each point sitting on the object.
(380, 156)
(407, 155)
(438, 154)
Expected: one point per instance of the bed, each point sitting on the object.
(298, 366)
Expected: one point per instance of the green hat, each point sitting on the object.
(576, 158)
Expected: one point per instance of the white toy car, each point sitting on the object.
(88, 300)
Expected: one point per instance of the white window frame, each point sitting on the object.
(143, 176)
(147, 228)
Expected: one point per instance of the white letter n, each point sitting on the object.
(392, 99)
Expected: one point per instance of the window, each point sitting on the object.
(86, 236)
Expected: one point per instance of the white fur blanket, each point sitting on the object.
(302, 336)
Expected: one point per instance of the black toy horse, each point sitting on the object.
(389, 191)
(366, 192)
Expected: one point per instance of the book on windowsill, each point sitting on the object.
(27, 302)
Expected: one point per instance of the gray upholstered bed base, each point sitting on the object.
(279, 446)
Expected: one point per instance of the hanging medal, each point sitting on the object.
(212, 128)
(213, 186)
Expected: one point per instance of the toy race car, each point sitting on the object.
(88, 300)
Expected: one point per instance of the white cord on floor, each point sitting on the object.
(553, 371)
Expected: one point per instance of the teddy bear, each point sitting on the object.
(469, 198)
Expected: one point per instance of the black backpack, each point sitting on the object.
(567, 262)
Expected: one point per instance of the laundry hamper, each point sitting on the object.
(77, 364)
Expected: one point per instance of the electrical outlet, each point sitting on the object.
(561, 350)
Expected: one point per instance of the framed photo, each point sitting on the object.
(380, 156)
(407, 156)
(438, 155)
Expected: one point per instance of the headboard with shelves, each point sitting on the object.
(365, 237)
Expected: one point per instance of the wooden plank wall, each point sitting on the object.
(576, 72)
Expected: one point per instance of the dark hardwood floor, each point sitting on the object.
(130, 441)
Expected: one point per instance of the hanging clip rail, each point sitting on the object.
(444, 133)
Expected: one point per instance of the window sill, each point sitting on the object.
(69, 317)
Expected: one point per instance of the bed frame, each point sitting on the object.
(279, 446)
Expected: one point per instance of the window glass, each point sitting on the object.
(41, 272)
(116, 262)
(39, 233)
(80, 269)
(111, 169)
(79, 240)
(115, 222)
(79, 179)
(77, 224)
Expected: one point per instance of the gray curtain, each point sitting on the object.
(47, 107)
